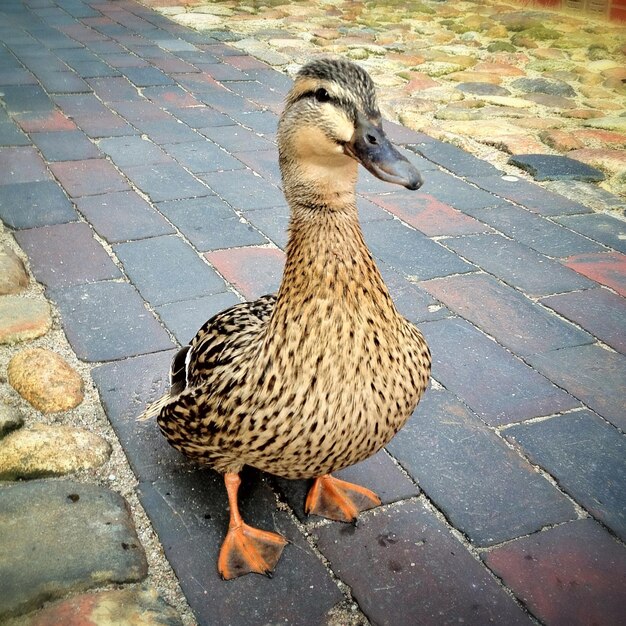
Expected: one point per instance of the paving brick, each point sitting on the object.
(20, 98)
(11, 135)
(28, 205)
(452, 158)
(185, 318)
(272, 222)
(517, 264)
(606, 268)
(132, 150)
(165, 181)
(93, 69)
(590, 373)
(174, 65)
(66, 254)
(167, 131)
(63, 82)
(301, 591)
(529, 195)
(429, 215)
(259, 93)
(166, 269)
(243, 190)
(556, 167)
(483, 487)
(114, 89)
(262, 122)
(202, 156)
(505, 314)
(253, 271)
(88, 177)
(201, 116)
(263, 162)
(122, 216)
(147, 76)
(16, 76)
(599, 311)
(417, 572)
(497, 386)
(603, 228)
(378, 473)
(106, 321)
(219, 98)
(210, 224)
(236, 138)
(39, 121)
(120, 59)
(21, 165)
(67, 145)
(413, 254)
(170, 96)
(570, 575)
(586, 455)
(537, 232)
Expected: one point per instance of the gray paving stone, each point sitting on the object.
(21, 98)
(132, 150)
(301, 591)
(594, 375)
(263, 122)
(556, 167)
(66, 254)
(122, 216)
(107, 321)
(603, 228)
(483, 487)
(537, 232)
(59, 537)
(201, 117)
(202, 156)
(29, 205)
(452, 158)
(272, 222)
(236, 138)
(11, 135)
(517, 264)
(166, 269)
(165, 181)
(93, 69)
(185, 318)
(505, 314)
(167, 131)
(599, 311)
(497, 386)
(587, 457)
(263, 162)
(378, 473)
(416, 573)
(243, 190)
(68, 145)
(209, 223)
(413, 254)
(147, 76)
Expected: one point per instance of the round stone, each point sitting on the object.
(483, 89)
(542, 85)
(22, 319)
(13, 276)
(50, 451)
(45, 380)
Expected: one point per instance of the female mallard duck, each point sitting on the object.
(324, 374)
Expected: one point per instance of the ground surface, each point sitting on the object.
(138, 181)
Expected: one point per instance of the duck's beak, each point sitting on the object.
(371, 147)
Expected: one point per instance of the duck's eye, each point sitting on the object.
(321, 95)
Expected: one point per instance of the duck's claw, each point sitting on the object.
(247, 549)
(339, 500)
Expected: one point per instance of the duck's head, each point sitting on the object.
(331, 121)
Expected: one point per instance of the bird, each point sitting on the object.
(323, 374)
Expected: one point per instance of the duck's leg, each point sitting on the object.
(338, 500)
(246, 549)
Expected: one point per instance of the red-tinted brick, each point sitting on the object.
(66, 254)
(572, 575)
(404, 566)
(607, 268)
(432, 217)
(170, 96)
(41, 121)
(88, 178)
(21, 165)
(599, 311)
(506, 314)
(253, 271)
(590, 373)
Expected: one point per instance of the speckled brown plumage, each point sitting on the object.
(324, 374)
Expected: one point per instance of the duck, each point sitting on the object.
(324, 373)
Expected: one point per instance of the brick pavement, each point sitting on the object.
(138, 171)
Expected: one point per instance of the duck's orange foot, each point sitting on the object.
(247, 549)
(338, 500)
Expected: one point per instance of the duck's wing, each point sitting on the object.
(216, 351)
